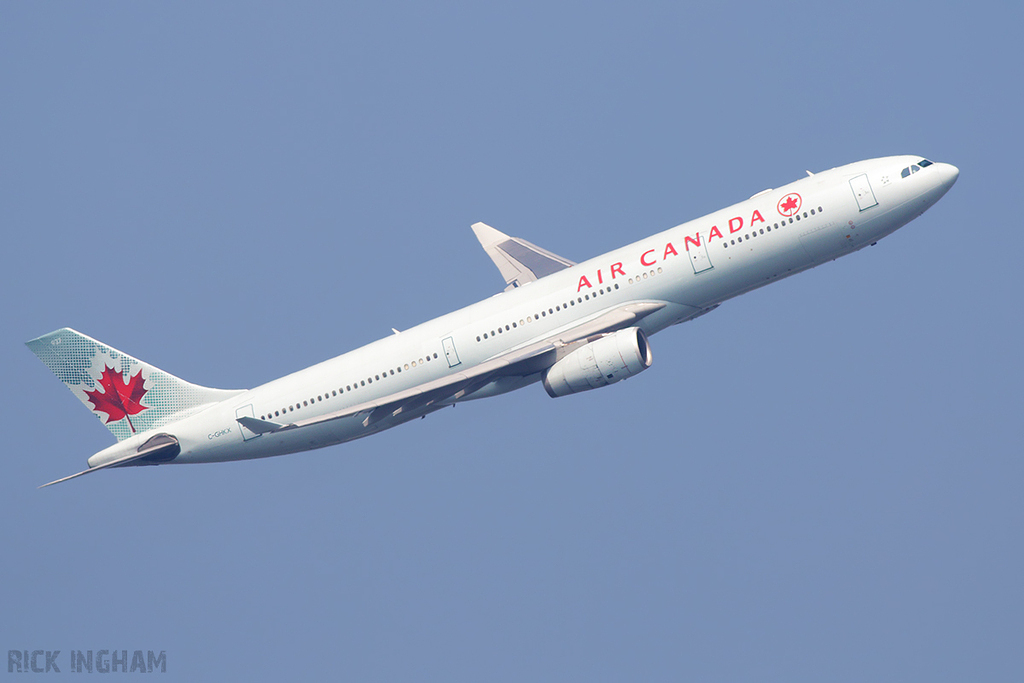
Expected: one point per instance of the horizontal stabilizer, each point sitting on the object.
(258, 426)
(518, 261)
(160, 448)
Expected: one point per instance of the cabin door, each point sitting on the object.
(450, 353)
(246, 411)
(699, 258)
(863, 192)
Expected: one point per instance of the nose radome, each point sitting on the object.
(949, 172)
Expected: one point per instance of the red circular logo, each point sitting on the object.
(790, 204)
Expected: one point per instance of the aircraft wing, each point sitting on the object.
(518, 363)
(518, 260)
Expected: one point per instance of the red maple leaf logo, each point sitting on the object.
(119, 398)
(789, 204)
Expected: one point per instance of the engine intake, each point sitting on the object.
(611, 358)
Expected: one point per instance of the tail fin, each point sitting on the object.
(129, 396)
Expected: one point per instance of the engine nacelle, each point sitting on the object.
(613, 357)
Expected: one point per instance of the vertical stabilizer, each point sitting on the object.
(127, 395)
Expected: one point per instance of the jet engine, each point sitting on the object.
(602, 362)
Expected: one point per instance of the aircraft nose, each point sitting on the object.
(949, 174)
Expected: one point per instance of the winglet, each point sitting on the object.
(518, 261)
(258, 426)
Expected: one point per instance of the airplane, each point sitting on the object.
(573, 327)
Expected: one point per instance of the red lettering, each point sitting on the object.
(600, 280)
(643, 259)
(756, 217)
(715, 232)
(695, 241)
(584, 282)
(616, 268)
(669, 249)
(738, 227)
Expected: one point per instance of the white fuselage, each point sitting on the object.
(691, 268)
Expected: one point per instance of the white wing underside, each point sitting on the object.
(518, 363)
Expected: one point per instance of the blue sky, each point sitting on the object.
(821, 480)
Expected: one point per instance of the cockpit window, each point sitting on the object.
(914, 168)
